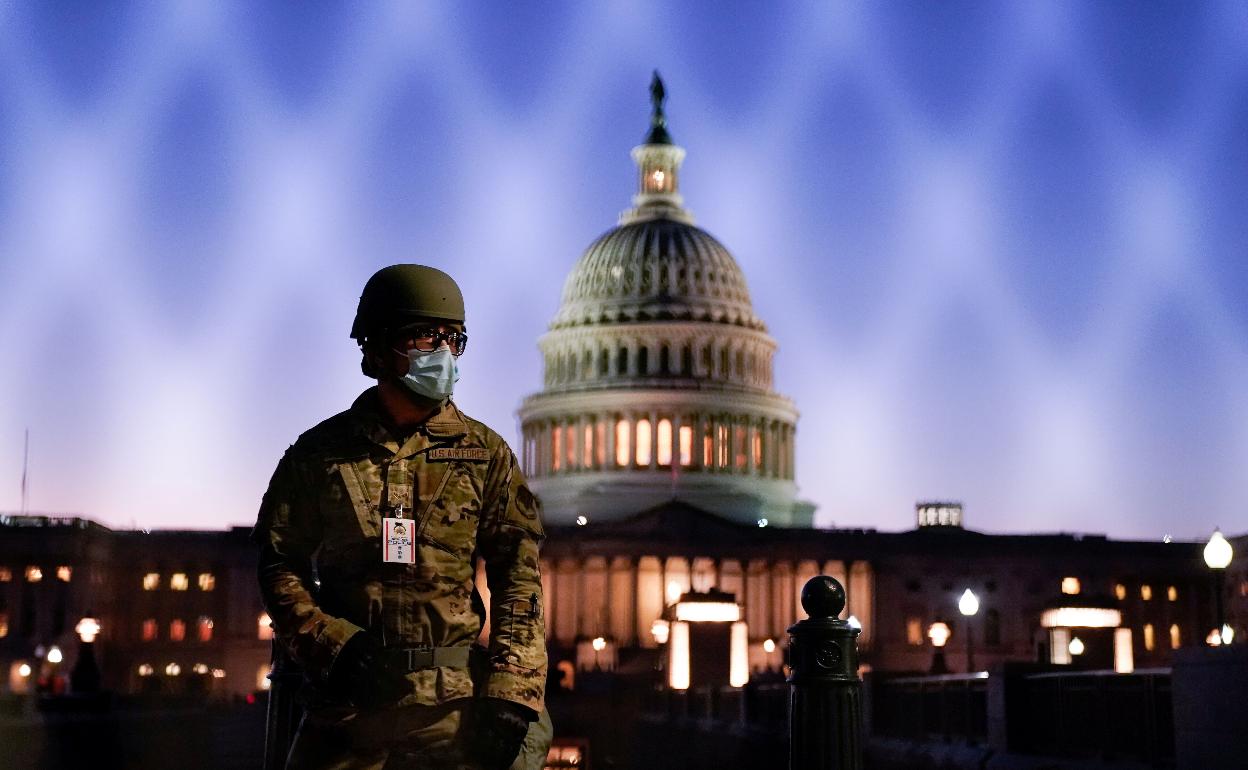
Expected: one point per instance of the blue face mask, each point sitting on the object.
(432, 375)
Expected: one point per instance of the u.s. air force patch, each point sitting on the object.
(473, 454)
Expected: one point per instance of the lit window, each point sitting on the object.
(146, 669)
(179, 582)
(1175, 636)
(33, 574)
(556, 449)
(600, 444)
(914, 632)
(207, 581)
(1070, 585)
(264, 627)
(621, 442)
(1120, 591)
(177, 630)
(665, 443)
(149, 629)
(643, 442)
(64, 573)
(758, 450)
(1149, 641)
(203, 628)
(151, 581)
(1146, 592)
(721, 432)
(686, 445)
(569, 440)
(200, 668)
(4, 624)
(6, 575)
(173, 669)
(588, 445)
(1172, 594)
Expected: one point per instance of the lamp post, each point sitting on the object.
(85, 677)
(968, 605)
(1218, 553)
(939, 634)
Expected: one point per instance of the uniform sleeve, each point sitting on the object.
(288, 533)
(509, 539)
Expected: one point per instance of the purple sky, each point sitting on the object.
(1002, 246)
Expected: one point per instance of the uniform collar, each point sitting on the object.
(448, 422)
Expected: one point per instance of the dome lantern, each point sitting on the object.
(658, 165)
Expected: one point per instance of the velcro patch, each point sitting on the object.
(475, 454)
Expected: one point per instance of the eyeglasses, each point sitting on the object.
(427, 339)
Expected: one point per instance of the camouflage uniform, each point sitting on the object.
(461, 486)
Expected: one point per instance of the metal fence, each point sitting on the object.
(923, 708)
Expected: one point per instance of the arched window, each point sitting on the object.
(686, 361)
(664, 450)
(643, 361)
(740, 365)
(723, 363)
(604, 362)
(587, 446)
(621, 361)
(573, 372)
(706, 360)
(686, 443)
(587, 364)
(622, 434)
(556, 448)
(665, 364)
(643, 442)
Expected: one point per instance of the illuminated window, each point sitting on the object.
(738, 440)
(914, 631)
(149, 630)
(177, 630)
(207, 581)
(686, 445)
(4, 624)
(665, 443)
(588, 447)
(64, 573)
(173, 669)
(643, 442)
(33, 574)
(151, 581)
(200, 669)
(145, 669)
(6, 575)
(1149, 641)
(203, 628)
(1146, 592)
(556, 448)
(621, 442)
(1172, 594)
(758, 449)
(179, 582)
(1120, 591)
(721, 433)
(569, 441)
(600, 444)
(1175, 636)
(1070, 585)
(264, 627)
(708, 448)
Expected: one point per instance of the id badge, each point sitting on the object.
(398, 540)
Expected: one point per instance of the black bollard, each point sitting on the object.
(825, 702)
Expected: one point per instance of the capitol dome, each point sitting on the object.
(658, 374)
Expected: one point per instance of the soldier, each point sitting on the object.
(369, 534)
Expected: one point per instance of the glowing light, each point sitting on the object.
(1124, 654)
(659, 630)
(769, 646)
(218, 673)
(738, 658)
(1080, 617)
(939, 633)
(200, 668)
(33, 574)
(599, 644)
(1228, 634)
(207, 581)
(262, 677)
(1076, 646)
(173, 669)
(1146, 592)
(87, 629)
(23, 670)
(179, 582)
(581, 521)
(854, 622)
(1214, 639)
(622, 434)
(151, 581)
(678, 657)
(1070, 586)
(708, 612)
(55, 655)
(64, 574)
(674, 591)
(1120, 591)
(762, 523)
(146, 669)
(1218, 551)
(643, 442)
(664, 442)
(686, 445)
(1149, 637)
(969, 603)
(1172, 594)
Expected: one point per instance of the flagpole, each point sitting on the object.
(25, 469)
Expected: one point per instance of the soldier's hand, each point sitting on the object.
(360, 674)
(496, 732)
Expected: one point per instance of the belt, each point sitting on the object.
(417, 658)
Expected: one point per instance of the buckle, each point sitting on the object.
(418, 657)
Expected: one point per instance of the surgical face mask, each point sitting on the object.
(432, 375)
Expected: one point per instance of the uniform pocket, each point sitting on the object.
(450, 523)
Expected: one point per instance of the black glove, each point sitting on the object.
(497, 732)
(360, 674)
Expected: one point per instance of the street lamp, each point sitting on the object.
(1218, 553)
(939, 634)
(86, 674)
(968, 605)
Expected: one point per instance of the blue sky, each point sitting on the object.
(1001, 245)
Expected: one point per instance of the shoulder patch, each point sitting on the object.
(474, 454)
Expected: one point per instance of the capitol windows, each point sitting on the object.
(708, 447)
(569, 442)
(556, 448)
(203, 628)
(665, 362)
(621, 361)
(686, 446)
(1120, 591)
(64, 573)
(706, 361)
(1070, 586)
(587, 444)
(1175, 636)
(622, 434)
(207, 581)
(914, 631)
(686, 361)
(1172, 594)
(721, 439)
(738, 441)
(1146, 592)
(34, 574)
(600, 444)
(151, 581)
(604, 362)
(643, 361)
(6, 575)
(758, 448)
(664, 453)
(1149, 640)
(177, 630)
(179, 582)
(643, 442)
(723, 363)
(149, 630)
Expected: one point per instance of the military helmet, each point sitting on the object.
(400, 292)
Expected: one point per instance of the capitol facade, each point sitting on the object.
(658, 374)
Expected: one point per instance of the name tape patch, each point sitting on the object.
(475, 454)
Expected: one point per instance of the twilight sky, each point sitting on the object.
(1002, 246)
